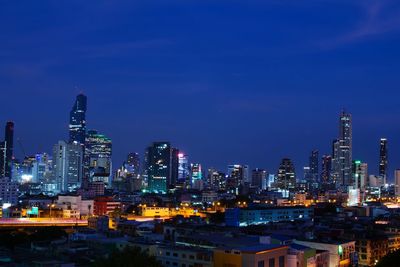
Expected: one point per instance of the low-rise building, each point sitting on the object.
(341, 254)
(263, 215)
(257, 256)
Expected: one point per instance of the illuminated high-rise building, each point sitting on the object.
(216, 180)
(258, 178)
(196, 176)
(383, 158)
(238, 175)
(7, 150)
(397, 182)
(286, 178)
(9, 140)
(98, 151)
(67, 166)
(161, 166)
(360, 174)
(41, 168)
(343, 152)
(133, 164)
(3, 147)
(77, 123)
(183, 171)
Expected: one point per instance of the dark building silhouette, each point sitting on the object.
(314, 166)
(383, 158)
(326, 177)
(7, 151)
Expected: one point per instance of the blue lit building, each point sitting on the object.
(262, 215)
(161, 166)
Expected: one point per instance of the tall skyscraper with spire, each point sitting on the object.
(383, 158)
(77, 123)
(344, 153)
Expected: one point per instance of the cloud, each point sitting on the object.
(380, 17)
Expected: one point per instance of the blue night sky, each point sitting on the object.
(226, 81)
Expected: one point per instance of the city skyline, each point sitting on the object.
(299, 169)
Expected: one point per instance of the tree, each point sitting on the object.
(128, 257)
(390, 260)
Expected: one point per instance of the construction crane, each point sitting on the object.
(21, 147)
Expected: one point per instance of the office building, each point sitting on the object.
(67, 166)
(9, 191)
(258, 178)
(196, 176)
(41, 168)
(383, 158)
(238, 175)
(9, 141)
(98, 152)
(286, 179)
(77, 124)
(360, 174)
(343, 152)
(314, 166)
(183, 171)
(326, 178)
(397, 182)
(161, 166)
(7, 150)
(216, 180)
(133, 164)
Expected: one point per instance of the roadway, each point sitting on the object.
(41, 222)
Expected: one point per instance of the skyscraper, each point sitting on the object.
(216, 180)
(343, 152)
(77, 124)
(67, 166)
(238, 175)
(360, 174)
(259, 178)
(133, 164)
(98, 151)
(383, 158)
(183, 171)
(3, 147)
(160, 166)
(326, 178)
(314, 166)
(397, 182)
(7, 150)
(196, 176)
(286, 178)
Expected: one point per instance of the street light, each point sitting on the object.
(51, 206)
